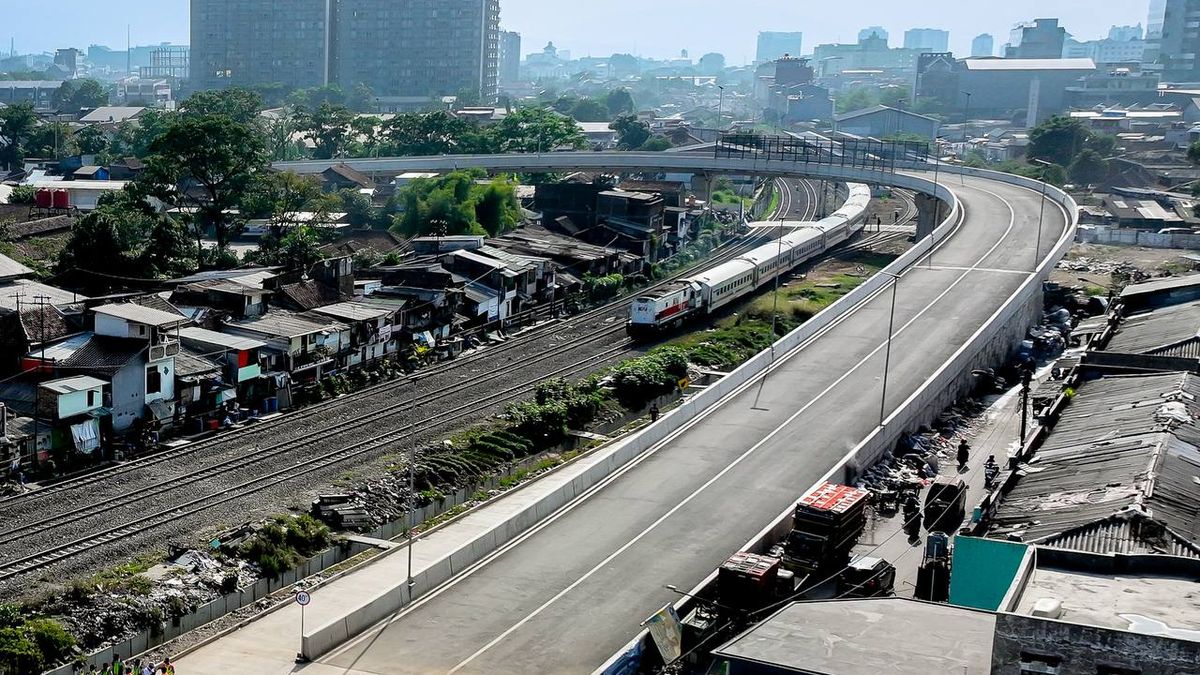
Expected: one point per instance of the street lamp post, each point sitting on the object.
(720, 108)
(1041, 214)
(887, 358)
(937, 205)
(966, 111)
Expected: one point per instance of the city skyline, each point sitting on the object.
(583, 30)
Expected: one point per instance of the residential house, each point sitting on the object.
(126, 168)
(200, 391)
(132, 347)
(371, 330)
(241, 374)
(305, 346)
(74, 406)
(490, 283)
(636, 218)
(90, 172)
(342, 177)
(112, 114)
(536, 282)
(225, 295)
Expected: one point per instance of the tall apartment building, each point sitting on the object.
(928, 39)
(983, 45)
(415, 49)
(1042, 39)
(253, 42)
(510, 57)
(774, 45)
(1173, 40)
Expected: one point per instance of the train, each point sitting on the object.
(669, 306)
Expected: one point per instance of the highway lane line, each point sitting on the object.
(979, 269)
(685, 501)
(629, 466)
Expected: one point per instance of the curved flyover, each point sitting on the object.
(570, 591)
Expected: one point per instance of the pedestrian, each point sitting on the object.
(148, 669)
(964, 454)
(653, 412)
(118, 668)
(167, 667)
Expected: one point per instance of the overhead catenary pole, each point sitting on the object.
(887, 358)
(1037, 247)
(774, 315)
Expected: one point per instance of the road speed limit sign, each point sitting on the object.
(303, 598)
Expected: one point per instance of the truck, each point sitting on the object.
(826, 525)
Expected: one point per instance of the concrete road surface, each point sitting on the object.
(572, 592)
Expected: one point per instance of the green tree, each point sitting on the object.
(1053, 174)
(22, 194)
(356, 206)
(1058, 139)
(857, 99)
(238, 104)
(17, 124)
(109, 239)
(361, 98)
(895, 96)
(206, 165)
(50, 139)
(536, 130)
(90, 140)
(73, 95)
(436, 133)
(279, 131)
(1104, 144)
(328, 127)
(133, 138)
(496, 207)
(619, 101)
(656, 144)
(590, 110)
(1088, 168)
(631, 132)
(1193, 153)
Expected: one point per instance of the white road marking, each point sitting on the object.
(557, 596)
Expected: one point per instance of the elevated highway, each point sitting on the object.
(571, 591)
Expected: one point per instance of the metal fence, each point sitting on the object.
(856, 153)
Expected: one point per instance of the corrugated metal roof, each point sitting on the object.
(67, 385)
(353, 311)
(140, 314)
(1150, 332)
(10, 269)
(191, 364)
(285, 324)
(1165, 284)
(211, 337)
(1125, 445)
(29, 290)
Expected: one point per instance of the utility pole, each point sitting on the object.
(1026, 382)
(412, 488)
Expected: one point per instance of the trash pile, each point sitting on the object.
(919, 457)
(103, 611)
(1116, 269)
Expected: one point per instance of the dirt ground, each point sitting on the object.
(1093, 264)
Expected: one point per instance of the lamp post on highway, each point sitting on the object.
(720, 108)
(937, 205)
(887, 358)
(1041, 214)
(774, 316)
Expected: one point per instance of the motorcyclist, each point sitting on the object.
(990, 471)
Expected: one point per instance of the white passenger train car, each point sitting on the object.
(715, 288)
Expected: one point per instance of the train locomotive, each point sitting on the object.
(669, 306)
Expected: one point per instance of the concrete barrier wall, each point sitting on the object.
(992, 342)
(322, 639)
(1126, 237)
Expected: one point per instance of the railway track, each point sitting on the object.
(141, 523)
(140, 516)
(385, 390)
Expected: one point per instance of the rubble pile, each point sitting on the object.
(100, 613)
(919, 456)
(1113, 268)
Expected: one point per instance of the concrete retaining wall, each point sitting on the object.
(1126, 237)
(990, 344)
(323, 638)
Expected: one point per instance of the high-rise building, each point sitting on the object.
(872, 33)
(929, 39)
(510, 57)
(1125, 33)
(983, 45)
(1172, 40)
(1041, 39)
(774, 45)
(254, 42)
(419, 48)
(415, 49)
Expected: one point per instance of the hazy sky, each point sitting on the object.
(601, 27)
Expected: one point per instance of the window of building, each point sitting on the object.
(153, 380)
(93, 398)
(1039, 664)
(1107, 669)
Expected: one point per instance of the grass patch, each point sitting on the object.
(284, 541)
